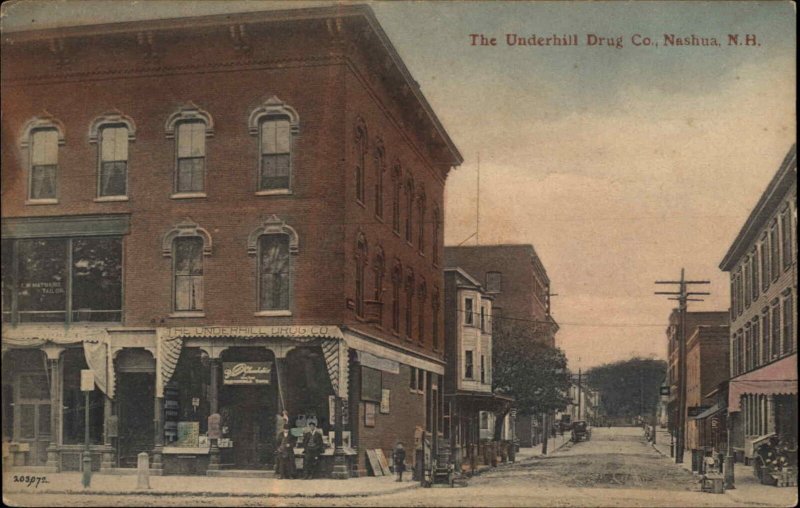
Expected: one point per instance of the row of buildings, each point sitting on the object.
(741, 364)
(223, 218)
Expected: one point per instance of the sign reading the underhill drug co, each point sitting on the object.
(246, 373)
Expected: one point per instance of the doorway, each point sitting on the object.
(33, 406)
(136, 381)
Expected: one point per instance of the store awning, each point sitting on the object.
(716, 408)
(778, 378)
(482, 401)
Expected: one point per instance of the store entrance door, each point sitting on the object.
(135, 396)
(251, 428)
(33, 404)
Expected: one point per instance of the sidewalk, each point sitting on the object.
(553, 445)
(748, 489)
(70, 483)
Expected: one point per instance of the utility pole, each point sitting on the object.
(579, 394)
(682, 296)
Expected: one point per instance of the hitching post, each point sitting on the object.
(87, 385)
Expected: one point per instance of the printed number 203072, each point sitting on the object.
(30, 481)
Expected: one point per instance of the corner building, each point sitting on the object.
(226, 215)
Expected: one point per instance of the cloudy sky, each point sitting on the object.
(620, 165)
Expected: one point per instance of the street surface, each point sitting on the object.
(615, 468)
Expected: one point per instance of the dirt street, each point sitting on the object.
(615, 468)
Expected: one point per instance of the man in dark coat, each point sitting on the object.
(312, 450)
(285, 454)
(399, 461)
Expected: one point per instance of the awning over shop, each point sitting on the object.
(483, 401)
(773, 379)
(94, 339)
(716, 408)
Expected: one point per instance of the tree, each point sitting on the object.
(535, 374)
(628, 388)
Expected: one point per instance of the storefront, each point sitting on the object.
(480, 427)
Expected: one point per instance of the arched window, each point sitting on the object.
(410, 304)
(397, 280)
(435, 305)
(276, 125)
(379, 268)
(380, 167)
(361, 261)
(422, 297)
(409, 208)
(361, 157)
(190, 126)
(397, 184)
(435, 236)
(421, 205)
(273, 243)
(188, 273)
(112, 132)
(42, 137)
(187, 244)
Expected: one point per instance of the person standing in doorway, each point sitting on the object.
(285, 452)
(312, 450)
(399, 460)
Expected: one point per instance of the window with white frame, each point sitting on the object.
(483, 318)
(469, 318)
(483, 369)
(44, 164)
(788, 330)
(113, 166)
(276, 153)
(469, 364)
(191, 157)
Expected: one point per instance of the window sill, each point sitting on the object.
(379, 219)
(273, 313)
(361, 203)
(188, 314)
(188, 195)
(275, 192)
(48, 201)
(106, 199)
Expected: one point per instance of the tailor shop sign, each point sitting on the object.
(246, 373)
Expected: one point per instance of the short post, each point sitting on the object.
(87, 385)
(142, 471)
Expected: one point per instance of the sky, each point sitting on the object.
(620, 165)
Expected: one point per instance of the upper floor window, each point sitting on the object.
(788, 329)
(44, 164)
(469, 365)
(494, 282)
(112, 132)
(380, 169)
(361, 261)
(421, 205)
(468, 311)
(483, 369)
(422, 298)
(754, 268)
(190, 126)
(188, 273)
(766, 355)
(409, 208)
(774, 250)
(746, 266)
(765, 262)
(483, 318)
(274, 242)
(397, 278)
(435, 306)
(410, 304)
(276, 125)
(379, 268)
(786, 239)
(397, 185)
(775, 333)
(435, 236)
(361, 157)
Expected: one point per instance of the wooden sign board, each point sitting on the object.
(87, 380)
(385, 397)
(374, 463)
(246, 373)
(214, 431)
(188, 434)
(383, 462)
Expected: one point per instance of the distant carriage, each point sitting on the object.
(580, 431)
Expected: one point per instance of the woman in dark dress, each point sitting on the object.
(399, 461)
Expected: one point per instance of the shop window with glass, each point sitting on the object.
(62, 279)
(276, 154)
(188, 274)
(191, 159)
(113, 170)
(274, 272)
(44, 164)
(74, 402)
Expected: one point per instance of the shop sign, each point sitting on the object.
(188, 434)
(385, 395)
(254, 331)
(214, 426)
(87, 380)
(246, 373)
(696, 410)
(664, 390)
(379, 363)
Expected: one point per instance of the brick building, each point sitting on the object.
(706, 368)
(762, 262)
(694, 320)
(227, 215)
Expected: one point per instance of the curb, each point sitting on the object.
(151, 492)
